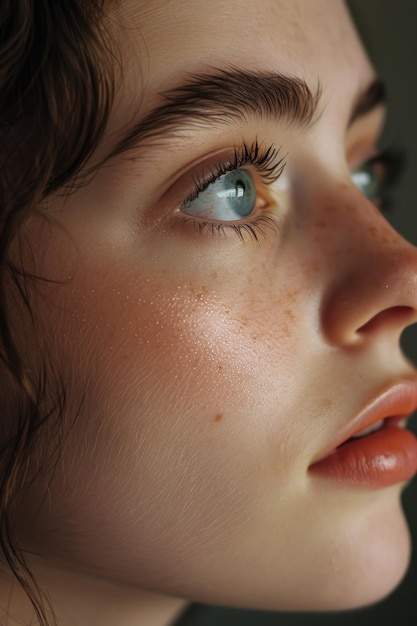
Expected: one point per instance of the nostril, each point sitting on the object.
(393, 317)
(409, 342)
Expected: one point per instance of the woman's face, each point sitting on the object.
(215, 346)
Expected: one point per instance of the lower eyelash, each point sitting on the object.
(255, 229)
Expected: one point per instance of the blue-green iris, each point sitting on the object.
(368, 182)
(232, 197)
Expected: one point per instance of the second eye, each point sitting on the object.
(231, 197)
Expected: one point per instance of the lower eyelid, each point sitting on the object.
(254, 230)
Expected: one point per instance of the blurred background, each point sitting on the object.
(389, 30)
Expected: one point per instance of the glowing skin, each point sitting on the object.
(209, 371)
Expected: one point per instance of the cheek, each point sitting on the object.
(199, 347)
(186, 394)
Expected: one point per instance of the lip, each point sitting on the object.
(383, 458)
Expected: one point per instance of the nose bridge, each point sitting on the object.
(373, 276)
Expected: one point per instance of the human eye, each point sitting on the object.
(377, 176)
(234, 193)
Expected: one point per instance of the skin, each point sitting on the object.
(212, 371)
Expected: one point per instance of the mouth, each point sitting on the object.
(376, 450)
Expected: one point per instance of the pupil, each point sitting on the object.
(240, 189)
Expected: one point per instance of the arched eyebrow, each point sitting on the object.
(235, 95)
(220, 96)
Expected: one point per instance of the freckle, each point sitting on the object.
(326, 403)
(321, 224)
(286, 331)
(220, 368)
(218, 417)
(289, 313)
(291, 296)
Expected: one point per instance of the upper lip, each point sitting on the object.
(397, 399)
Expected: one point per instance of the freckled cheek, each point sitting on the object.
(176, 352)
(221, 355)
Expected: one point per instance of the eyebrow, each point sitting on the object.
(236, 95)
(233, 95)
(370, 99)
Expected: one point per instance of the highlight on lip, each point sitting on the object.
(381, 459)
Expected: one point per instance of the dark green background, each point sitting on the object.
(389, 29)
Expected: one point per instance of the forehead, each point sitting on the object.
(163, 42)
(162, 39)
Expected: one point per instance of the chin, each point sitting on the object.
(356, 559)
(367, 562)
(381, 569)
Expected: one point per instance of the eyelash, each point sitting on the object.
(269, 166)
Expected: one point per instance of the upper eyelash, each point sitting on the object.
(393, 160)
(265, 160)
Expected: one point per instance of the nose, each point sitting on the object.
(372, 291)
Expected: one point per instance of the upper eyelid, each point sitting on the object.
(266, 161)
(364, 135)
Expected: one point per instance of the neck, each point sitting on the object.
(79, 600)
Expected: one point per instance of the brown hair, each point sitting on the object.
(56, 90)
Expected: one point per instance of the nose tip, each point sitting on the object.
(376, 292)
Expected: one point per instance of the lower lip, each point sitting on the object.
(383, 458)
